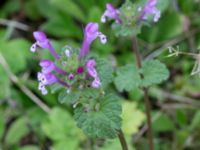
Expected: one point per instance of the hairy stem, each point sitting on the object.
(122, 140)
(146, 95)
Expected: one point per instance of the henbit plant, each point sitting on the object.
(129, 20)
(82, 79)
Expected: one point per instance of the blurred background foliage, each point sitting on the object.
(175, 103)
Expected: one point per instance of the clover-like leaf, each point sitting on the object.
(127, 78)
(154, 72)
(102, 123)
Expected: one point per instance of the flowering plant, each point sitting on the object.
(82, 79)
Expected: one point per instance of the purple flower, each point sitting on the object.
(48, 79)
(150, 8)
(90, 34)
(71, 76)
(111, 13)
(49, 66)
(90, 65)
(43, 42)
(80, 70)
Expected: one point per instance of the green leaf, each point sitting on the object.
(4, 84)
(195, 121)
(29, 147)
(60, 126)
(169, 26)
(127, 78)
(61, 26)
(181, 118)
(131, 123)
(114, 144)
(83, 95)
(123, 30)
(154, 72)
(31, 9)
(94, 14)
(55, 87)
(102, 123)
(16, 53)
(105, 71)
(2, 125)
(69, 97)
(11, 6)
(72, 8)
(17, 131)
(70, 144)
(163, 124)
(162, 5)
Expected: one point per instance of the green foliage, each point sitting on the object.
(105, 71)
(72, 8)
(94, 14)
(2, 126)
(61, 26)
(17, 131)
(61, 128)
(163, 124)
(12, 6)
(181, 118)
(195, 121)
(58, 124)
(172, 23)
(131, 123)
(4, 84)
(69, 97)
(129, 15)
(17, 49)
(103, 122)
(31, 9)
(82, 95)
(123, 30)
(127, 78)
(162, 5)
(29, 148)
(154, 72)
(63, 20)
(71, 144)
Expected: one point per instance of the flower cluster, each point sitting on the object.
(55, 72)
(111, 13)
(150, 9)
(72, 66)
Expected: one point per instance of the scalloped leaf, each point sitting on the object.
(127, 78)
(103, 123)
(154, 72)
(131, 123)
(69, 97)
(74, 96)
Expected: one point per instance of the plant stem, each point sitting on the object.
(148, 115)
(146, 95)
(122, 140)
